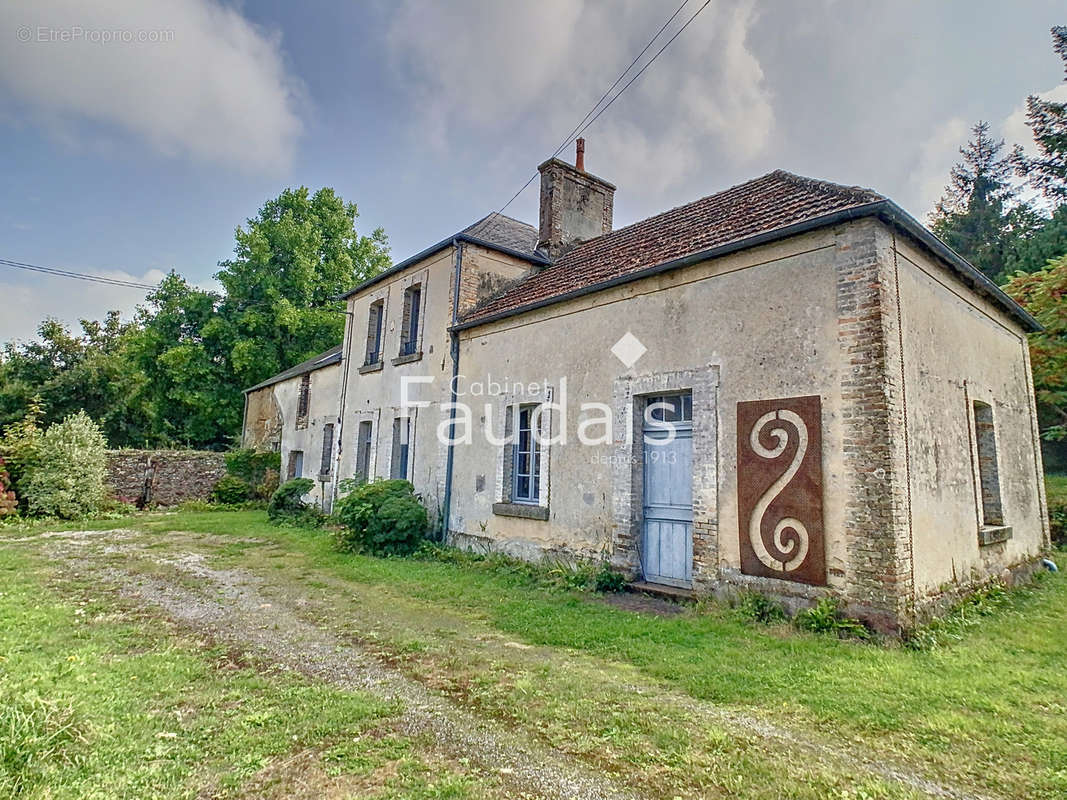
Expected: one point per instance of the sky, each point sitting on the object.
(136, 135)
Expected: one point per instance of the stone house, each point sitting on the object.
(789, 386)
(295, 413)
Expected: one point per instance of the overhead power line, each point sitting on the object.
(594, 113)
(81, 276)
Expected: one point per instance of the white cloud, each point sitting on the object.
(27, 303)
(506, 69)
(206, 83)
(1014, 128)
(938, 152)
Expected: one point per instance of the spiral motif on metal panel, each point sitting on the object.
(790, 539)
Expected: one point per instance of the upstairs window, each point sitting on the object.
(363, 447)
(988, 468)
(409, 330)
(374, 332)
(303, 402)
(326, 465)
(401, 446)
(526, 458)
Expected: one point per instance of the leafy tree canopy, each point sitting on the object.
(176, 373)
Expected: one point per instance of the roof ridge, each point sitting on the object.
(853, 190)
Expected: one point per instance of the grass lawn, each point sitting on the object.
(644, 698)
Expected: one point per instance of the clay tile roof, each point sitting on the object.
(774, 201)
(331, 356)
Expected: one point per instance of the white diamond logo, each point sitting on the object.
(629, 349)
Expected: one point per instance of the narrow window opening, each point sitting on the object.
(988, 468)
(401, 446)
(303, 402)
(526, 458)
(409, 329)
(363, 446)
(296, 464)
(326, 465)
(374, 332)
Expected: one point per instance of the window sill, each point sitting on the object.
(408, 359)
(302, 423)
(993, 534)
(524, 510)
(373, 367)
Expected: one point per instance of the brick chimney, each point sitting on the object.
(575, 205)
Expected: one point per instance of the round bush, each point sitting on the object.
(231, 490)
(68, 479)
(287, 504)
(383, 517)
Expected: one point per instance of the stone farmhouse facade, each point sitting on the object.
(789, 386)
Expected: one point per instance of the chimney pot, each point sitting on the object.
(579, 156)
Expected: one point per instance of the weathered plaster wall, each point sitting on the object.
(263, 420)
(765, 320)
(163, 477)
(325, 386)
(374, 394)
(957, 349)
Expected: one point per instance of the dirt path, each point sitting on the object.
(236, 606)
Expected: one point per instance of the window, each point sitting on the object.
(326, 466)
(670, 408)
(303, 402)
(296, 464)
(401, 444)
(374, 332)
(409, 330)
(988, 469)
(526, 458)
(363, 446)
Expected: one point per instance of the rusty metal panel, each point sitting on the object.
(779, 489)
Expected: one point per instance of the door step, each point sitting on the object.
(676, 593)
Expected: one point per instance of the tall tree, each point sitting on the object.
(979, 216)
(69, 372)
(181, 349)
(1043, 294)
(1048, 120)
(290, 263)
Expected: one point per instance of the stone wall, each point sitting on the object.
(163, 477)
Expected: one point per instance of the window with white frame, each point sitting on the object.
(526, 457)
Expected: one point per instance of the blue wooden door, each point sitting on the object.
(667, 547)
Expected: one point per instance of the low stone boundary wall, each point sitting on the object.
(163, 477)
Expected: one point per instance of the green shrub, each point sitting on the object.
(231, 490)
(383, 517)
(287, 506)
(9, 504)
(260, 469)
(20, 449)
(608, 580)
(826, 617)
(68, 479)
(34, 734)
(760, 608)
